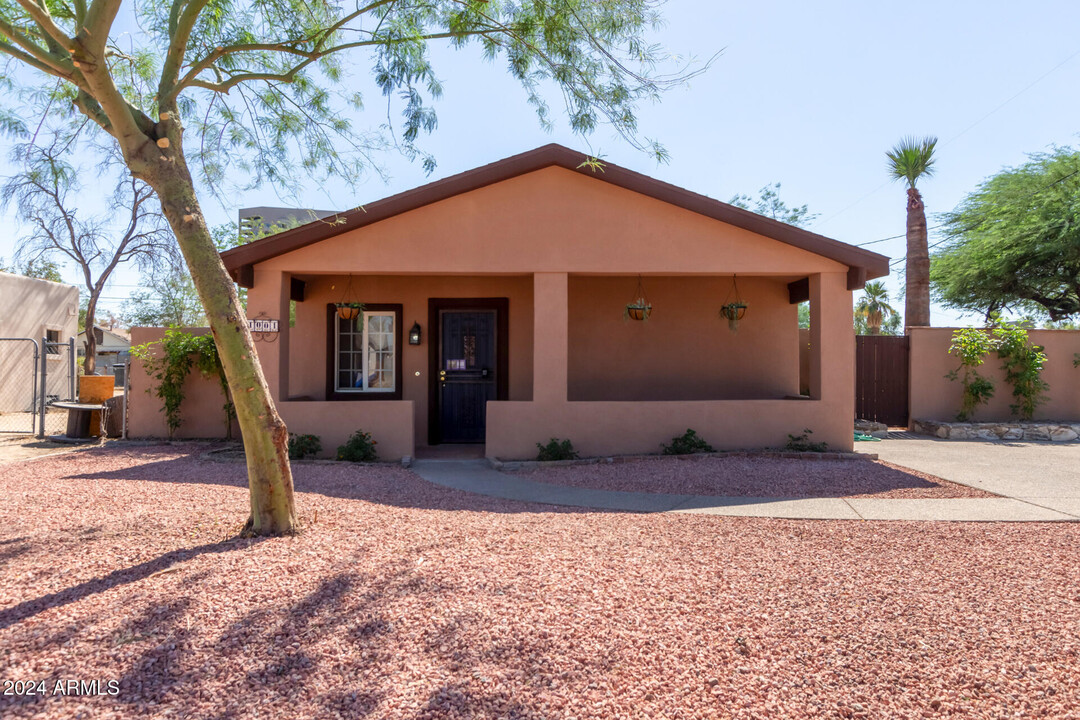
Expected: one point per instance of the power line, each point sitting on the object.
(1027, 87)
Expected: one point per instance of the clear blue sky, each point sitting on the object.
(806, 94)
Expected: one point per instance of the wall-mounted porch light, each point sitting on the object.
(414, 334)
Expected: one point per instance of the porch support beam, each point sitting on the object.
(856, 278)
(551, 327)
(798, 291)
(296, 290)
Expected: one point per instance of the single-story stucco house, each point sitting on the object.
(516, 278)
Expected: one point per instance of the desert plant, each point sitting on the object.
(556, 450)
(688, 443)
(971, 345)
(1023, 364)
(358, 448)
(802, 443)
(302, 446)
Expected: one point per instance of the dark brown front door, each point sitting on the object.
(467, 373)
(469, 366)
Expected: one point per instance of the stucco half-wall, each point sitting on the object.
(934, 397)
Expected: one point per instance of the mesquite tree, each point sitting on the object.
(46, 193)
(256, 82)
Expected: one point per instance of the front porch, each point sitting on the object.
(571, 365)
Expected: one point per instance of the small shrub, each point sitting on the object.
(556, 450)
(302, 446)
(358, 448)
(802, 443)
(688, 443)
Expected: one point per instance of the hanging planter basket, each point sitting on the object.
(349, 311)
(640, 308)
(734, 312)
(735, 309)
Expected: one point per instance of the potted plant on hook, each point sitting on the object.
(348, 310)
(639, 308)
(734, 309)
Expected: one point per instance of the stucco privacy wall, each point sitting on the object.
(607, 428)
(202, 412)
(29, 307)
(933, 397)
(684, 351)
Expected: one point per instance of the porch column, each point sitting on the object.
(550, 337)
(832, 357)
(270, 295)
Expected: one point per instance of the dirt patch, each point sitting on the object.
(404, 600)
(26, 446)
(757, 477)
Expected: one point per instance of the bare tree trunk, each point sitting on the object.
(90, 361)
(266, 439)
(917, 294)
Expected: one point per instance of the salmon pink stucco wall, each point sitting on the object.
(612, 428)
(685, 350)
(201, 412)
(933, 397)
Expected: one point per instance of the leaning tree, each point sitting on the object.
(262, 87)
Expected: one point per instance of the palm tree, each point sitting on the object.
(874, 306)
(910, 160)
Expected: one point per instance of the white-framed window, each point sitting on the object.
(365, 353)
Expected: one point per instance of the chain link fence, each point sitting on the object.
(34, 375)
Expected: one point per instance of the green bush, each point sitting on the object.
(971, 345)
(358, 448)
(687, 444)
(802, 443)
(556, 450)
(302, 446)
(1023, 364)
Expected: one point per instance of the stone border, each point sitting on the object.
(1026, 431)
(511, 465)
(229, 455)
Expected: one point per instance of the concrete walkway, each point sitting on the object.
(1040, 473)
(477, 476)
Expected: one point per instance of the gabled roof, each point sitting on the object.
(862, 264)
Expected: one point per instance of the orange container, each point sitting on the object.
(96, 389)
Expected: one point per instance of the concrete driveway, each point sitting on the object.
(1043, 474)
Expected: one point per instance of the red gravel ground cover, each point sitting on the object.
(404, 600)
(748, 476)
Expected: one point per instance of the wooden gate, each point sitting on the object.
(881, 379)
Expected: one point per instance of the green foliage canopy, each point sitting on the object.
(264, 86)
(1015, 242)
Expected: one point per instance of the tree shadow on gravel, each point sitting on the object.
(123, 576)
(380, 484)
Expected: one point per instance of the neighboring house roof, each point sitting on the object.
(108, 338)
(257, 220)
(862, 264)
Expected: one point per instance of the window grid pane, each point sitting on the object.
(366, 354)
